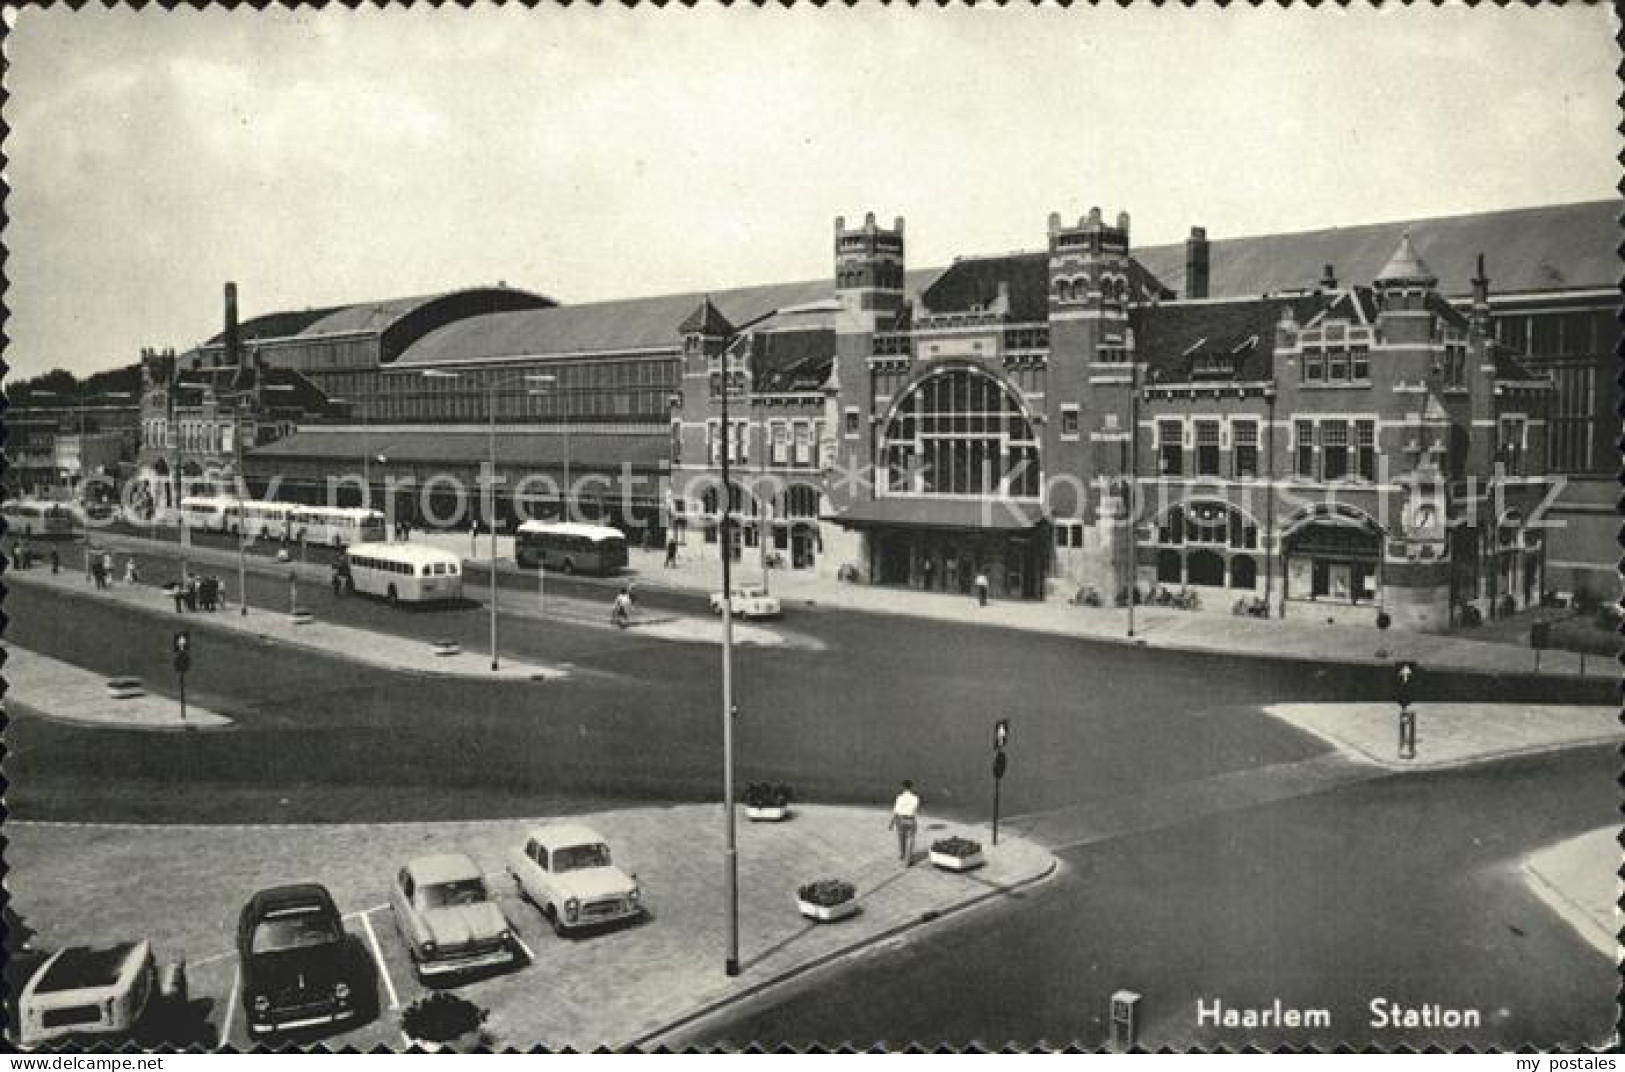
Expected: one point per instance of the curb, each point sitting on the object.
(25, 708)
(1393, 767)
(645, 1040)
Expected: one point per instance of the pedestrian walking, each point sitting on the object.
(981, 588)
(98, 573)
(56, 561)
(107, 567)
(671, 552)
(132, 572)
(905, 819)
(621, 612)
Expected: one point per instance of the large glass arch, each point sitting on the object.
(960, 432)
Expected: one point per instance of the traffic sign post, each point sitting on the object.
(1540, 638)
(1406, 672)
(1001, 762)
(182, 647)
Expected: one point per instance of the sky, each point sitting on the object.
(320, 157)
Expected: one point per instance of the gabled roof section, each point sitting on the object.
(706, 320)
(792, 360)
(1186, 342)
(1508, 367)
(973, 283)
(1357, 305)
(1550, 247)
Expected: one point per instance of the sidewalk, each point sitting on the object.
(1577, 879)
(1452, 734)
(383, 650)
(59, 690)
(632, 985)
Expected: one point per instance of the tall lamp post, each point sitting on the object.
(731, 847)
(490, 518)
(541, 558)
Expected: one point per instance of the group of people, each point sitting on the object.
(102, 569)
(198, 593)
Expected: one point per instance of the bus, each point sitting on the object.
(260, 520)
(404, 572)
(206, 513)
(37, 517)
(570, 546)
(337, 526)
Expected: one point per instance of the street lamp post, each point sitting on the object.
(541, 558)
(490, 513)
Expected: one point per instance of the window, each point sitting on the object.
(1334, 454)
(1337, 365)
(1360, 358)
(713, 442)
(1170, 448)
(1365, 440)
(1314, 365)
(779, 447)
(676, 442)
(803, 444)
(1304, 432)
(850, 427)
(741, 442)
(960, 433)
(1510, 449)
(1455, 365)
(1069, 422)
(1244, 435)
(1207, 448)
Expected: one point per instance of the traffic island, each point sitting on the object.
(1451, 735)
(57, 690)
(1576, 878)
(640, 984)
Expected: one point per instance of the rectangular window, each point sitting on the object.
(1207, 448)
(1245, 437)
(1361, 362)
(1337, 365)
(1314, 365)
(1170, 448)
(851, 425)
(779, 450)
(676, 442)
(1334, 454)
(1305, 438)
(803, 445)
(1365, 440)
(1510, 450)
(713, 442)
(1069, 422)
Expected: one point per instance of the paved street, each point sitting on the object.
(1147, 770)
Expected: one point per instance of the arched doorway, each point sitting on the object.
(1333, 554)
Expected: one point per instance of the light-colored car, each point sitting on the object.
(447, 918)
(565, 870)
(749, 601)
(114, 993)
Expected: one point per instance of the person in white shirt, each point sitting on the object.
(905, 819)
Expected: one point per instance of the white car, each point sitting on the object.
(90, 995)
(448, 919)
(565, 870)
(749, 601)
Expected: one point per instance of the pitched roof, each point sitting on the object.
(792, 360)
(625, 325)
(1406, 263)
(706, 320)
(972, 283)
(1550, 247)
(1233, 340)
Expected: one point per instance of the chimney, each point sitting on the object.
(233, 342)
(1328, 279)
(1480, 319)
(1196, 263)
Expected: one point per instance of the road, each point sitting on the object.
(1404, 888)
(1398, 886)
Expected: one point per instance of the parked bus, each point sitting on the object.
(337, 526)
(404, 572)
(260, 520)
(37, 517)
(570, 546)
(206, 513)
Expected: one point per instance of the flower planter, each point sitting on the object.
(827, 913)
(447, 647)
(125, 688)
(950, 862)
(300, 616)
(767, 814)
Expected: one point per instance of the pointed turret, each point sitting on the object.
(1406, 266)
(707, 321)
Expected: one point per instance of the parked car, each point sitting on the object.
(117, 993)
(299, 967)
(749, 601)
(565, 870)
(447, 918)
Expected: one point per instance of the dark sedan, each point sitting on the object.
(300, 969)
